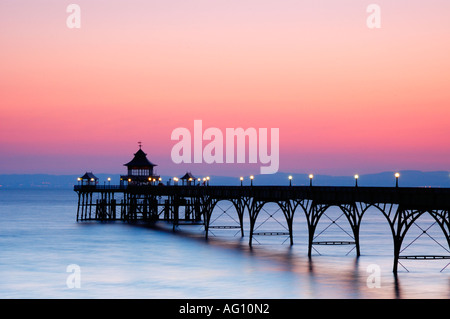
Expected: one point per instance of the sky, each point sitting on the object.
(346, 98)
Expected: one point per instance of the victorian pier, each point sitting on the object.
(143, 196)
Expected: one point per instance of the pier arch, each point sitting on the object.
(235, 219)
(271, 218)
(353, 212)
(400, 219)
(375, 225)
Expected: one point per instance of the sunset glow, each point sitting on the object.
(345, 97)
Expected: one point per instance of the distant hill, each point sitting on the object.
(407, 179)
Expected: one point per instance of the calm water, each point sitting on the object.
(40, 238)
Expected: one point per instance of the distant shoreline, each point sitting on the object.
(408, 178)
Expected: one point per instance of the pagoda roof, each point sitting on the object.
(187, 176)
(89, 176)
(140, 160)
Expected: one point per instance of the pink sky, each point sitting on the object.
(345, 98)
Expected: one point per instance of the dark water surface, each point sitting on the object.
(40, 238)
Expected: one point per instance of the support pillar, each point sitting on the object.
(254, 207)
(176, 211)
(78, 208)
(313, 215)
(288, 207)
(90, 205)
(354, 217)
(207, 205)
(239, 205)
(400, 221)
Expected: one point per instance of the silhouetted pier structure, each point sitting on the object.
(150, 200)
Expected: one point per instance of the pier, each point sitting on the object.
(149, 200)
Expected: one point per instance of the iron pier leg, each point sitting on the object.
(175, 212)
(254, 209)
(207, 217)
(397, 246)
(288, 209)
(240, 212)
(312, 217)
(311, 230)
(78, 208)
(90, 206)
(207, 212)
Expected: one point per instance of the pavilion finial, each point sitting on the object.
(140, 145)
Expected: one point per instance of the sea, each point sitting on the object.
(46, 254)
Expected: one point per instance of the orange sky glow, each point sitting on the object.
(346, 98)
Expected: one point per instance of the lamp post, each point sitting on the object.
(356, 180)
(397, 175)
(251, 180)
(290, 180)
(311, 176)
(207, 180)
(242, 179)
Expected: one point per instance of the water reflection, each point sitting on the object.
(40, 238)
(324, 276)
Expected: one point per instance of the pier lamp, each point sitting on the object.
(207, 180)
(204, 181)
(290, 180)
(251, 180)
(397, 175)
(311, 176)
(242, 179)
(199, 180)
(79, 180)
(175, 180)
(356, 180)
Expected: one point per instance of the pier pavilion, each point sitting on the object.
(88, 179)
(140, 171)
